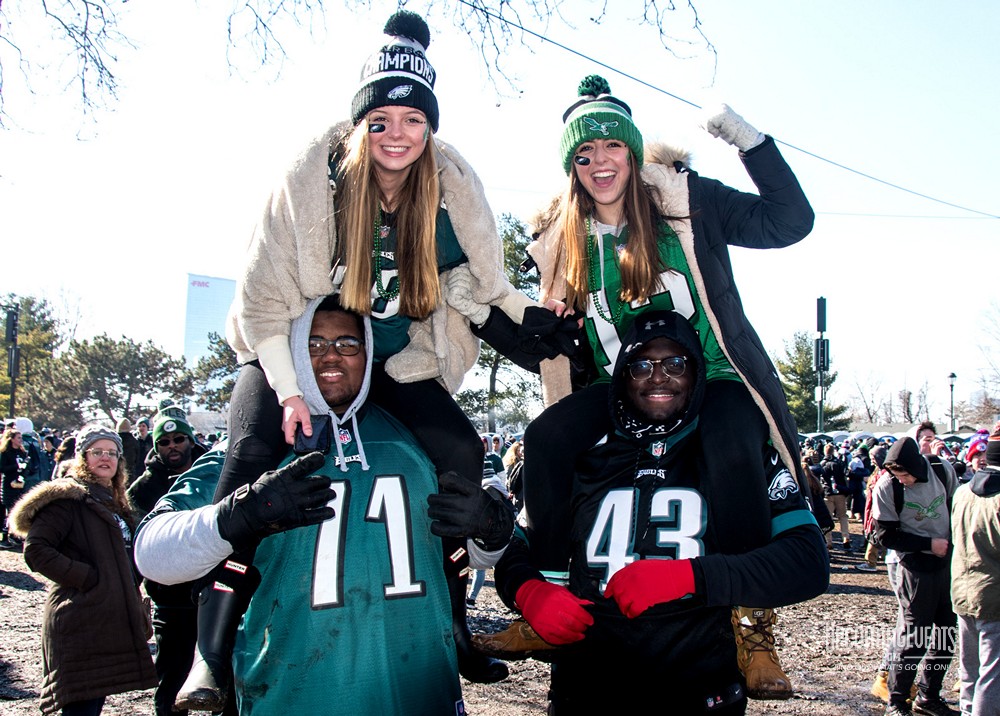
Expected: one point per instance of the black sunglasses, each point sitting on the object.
(175, 440)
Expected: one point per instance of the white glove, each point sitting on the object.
(458, 293)
(724, 123)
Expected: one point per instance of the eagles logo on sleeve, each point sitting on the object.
(782, 486)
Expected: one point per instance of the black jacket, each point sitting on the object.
(636, 496)
(143, 494)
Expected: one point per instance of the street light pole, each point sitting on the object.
(951, 385)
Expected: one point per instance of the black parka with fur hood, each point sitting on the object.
(93, 630)
(717, 216)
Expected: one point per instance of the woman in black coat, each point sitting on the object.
(78, 534)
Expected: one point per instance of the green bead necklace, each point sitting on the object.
(377, 256)
(595, 289)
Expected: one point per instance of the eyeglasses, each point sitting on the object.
(175, 440)
(113, 454)
(344, 345)
(672, 367)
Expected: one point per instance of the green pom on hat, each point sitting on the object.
(593, 85)
(598, 115)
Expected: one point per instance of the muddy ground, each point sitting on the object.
(830, 646)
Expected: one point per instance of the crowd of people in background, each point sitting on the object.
(29, 457)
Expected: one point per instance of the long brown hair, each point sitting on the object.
(416, 224)
(119, 482)
(8, 436)
(640, 264)
(65, 450)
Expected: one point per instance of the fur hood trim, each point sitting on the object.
(28, 507)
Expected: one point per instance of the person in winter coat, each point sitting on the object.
(145, 441)
(13, 458)
(646, 611)
(975, 583)
(64, 456)
(836, 490)
(174, 613)
(32, 473)
(78, 533)
(130, 448)
(381, 212)
(637, 230)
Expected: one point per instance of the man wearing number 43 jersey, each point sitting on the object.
(352, 613)
(645, 616)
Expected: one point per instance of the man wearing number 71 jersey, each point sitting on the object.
(645, 616)
(352, 614)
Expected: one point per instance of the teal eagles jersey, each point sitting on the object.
(606, 325)
(389, 327)
(352, 616)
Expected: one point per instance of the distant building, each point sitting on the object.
(208, 301)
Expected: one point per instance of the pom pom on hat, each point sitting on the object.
(597, 115)
(399, 74)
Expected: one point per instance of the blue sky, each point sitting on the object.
(170, 179)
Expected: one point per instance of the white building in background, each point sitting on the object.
(208, 300)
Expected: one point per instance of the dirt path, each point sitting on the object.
(830, 646)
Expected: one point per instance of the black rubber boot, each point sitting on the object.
(474, 665)
(221, 604)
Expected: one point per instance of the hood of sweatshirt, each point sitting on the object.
(628, 421)
(986, 482)
(299, 340)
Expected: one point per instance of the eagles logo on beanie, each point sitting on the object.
(398, 74)
(597, 115)
(170, 424)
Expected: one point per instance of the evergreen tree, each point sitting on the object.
(799, 380)
(215, 375)
(510, 395)
(115, 376)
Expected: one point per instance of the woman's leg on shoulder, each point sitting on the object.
(552, 443)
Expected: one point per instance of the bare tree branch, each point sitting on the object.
(87, 33)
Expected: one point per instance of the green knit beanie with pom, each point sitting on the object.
(597, 115)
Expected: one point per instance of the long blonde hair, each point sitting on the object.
(416, 225)
(640, 264)
(119, 482)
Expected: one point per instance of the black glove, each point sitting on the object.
(278, 501)
(464, 509)
(543, 331)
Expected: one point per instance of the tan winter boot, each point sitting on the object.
(517, 641)
(757, 656)
(880, 686)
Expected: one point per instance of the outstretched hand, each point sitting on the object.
(647, 582)
(724, 123)
(280, 500)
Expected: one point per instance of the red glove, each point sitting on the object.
(642, 584)
(553, 611)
